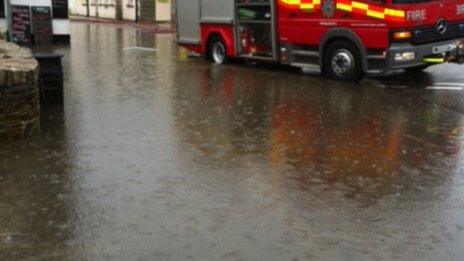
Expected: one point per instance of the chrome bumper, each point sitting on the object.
(420, 51)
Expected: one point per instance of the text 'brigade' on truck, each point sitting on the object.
(345, 38)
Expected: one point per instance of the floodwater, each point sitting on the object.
(156, 156)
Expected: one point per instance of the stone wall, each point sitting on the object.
(19, 93)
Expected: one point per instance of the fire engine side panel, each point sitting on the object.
(197, 20)
(454, 10)
(308, 27)
(373, 38)
(217, 18)
(188, 19)
(217, 11)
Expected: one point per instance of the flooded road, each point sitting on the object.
(156, 156)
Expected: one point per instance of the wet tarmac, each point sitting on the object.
(156, 156)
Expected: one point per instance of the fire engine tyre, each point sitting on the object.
(342, 62)
(217, 50)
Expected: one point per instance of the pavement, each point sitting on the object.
(162, 27)
(158, 156)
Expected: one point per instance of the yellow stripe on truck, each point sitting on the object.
(359, 5)
(374, 11)
(307, 5)
(392, 12)
(344, 7)
(375, 14)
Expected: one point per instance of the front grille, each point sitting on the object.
(429, 34)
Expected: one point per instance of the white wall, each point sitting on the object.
(97, 8)
(128, 10)
(108, 12)
(77, 7)
(163, 10)
(60, 26)
(32, 2)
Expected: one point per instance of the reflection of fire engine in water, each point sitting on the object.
(367, 155)
(360, 151)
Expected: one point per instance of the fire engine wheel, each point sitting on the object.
(342, 62)
(217, 50)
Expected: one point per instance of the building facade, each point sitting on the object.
(148, 11)
(58, 15)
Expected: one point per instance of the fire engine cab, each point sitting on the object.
(346, 39)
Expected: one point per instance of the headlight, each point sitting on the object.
(406, 56)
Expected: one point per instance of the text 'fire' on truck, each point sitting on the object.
(345, 39)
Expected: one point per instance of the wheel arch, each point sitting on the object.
(342, 34)
(208, 31)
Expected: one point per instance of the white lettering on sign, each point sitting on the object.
(460, 9)
(416, 15)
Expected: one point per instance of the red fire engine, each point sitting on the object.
(345, 39)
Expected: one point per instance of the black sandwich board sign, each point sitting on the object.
(21, 24)
(42, 24)
(60, 9)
